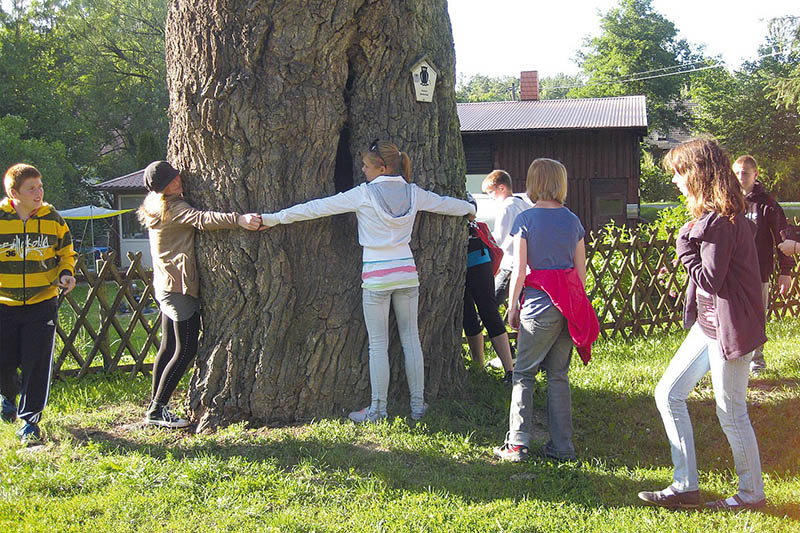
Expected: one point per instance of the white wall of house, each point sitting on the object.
(133, 237)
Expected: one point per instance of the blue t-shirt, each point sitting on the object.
(552, 235)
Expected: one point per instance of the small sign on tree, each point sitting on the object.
(424, 75)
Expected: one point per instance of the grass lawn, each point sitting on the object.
(99, 471)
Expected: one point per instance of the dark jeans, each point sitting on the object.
(178, 348)
(27, 334)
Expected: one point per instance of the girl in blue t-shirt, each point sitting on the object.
(546, 237)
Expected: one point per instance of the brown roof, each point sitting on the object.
(568, 114)
(133, 182)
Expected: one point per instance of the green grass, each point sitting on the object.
(99, 473)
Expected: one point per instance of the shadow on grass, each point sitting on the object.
(611, 431)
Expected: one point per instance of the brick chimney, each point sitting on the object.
(529, 85)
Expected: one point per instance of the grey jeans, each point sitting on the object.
(405, 303)
(543, 340)
(697, 356)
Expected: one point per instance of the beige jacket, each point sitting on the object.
(172, 245)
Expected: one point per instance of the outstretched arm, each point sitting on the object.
(344, 202)
(443, 205)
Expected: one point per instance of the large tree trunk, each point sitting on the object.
(270, 104)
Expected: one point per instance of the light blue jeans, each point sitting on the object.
(376, 316)
(697, 355)
(543, 340)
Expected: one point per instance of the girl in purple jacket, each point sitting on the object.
(725, 317)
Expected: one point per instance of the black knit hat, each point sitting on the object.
(157, 176)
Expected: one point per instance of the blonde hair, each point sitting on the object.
(746, 161)
(495, 179)
(16, 174)
(711, 184)
(389, 156)
(153, 209)
(547, 180)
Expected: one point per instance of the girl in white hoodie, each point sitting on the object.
(386, 206)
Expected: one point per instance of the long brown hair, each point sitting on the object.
(388, 155)
(153, 209)
(710, 182)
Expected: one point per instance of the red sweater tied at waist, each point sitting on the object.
(568, 294)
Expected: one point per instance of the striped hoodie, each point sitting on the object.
(33, 254)
(385, 208)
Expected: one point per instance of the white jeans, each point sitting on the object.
(376, 316)
(697, 355)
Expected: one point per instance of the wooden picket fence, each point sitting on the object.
(111, 322)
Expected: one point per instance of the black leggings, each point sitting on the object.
(479, 291)
(178, 348)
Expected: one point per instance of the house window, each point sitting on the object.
(131, 229)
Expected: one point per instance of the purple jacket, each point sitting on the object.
(720, 257)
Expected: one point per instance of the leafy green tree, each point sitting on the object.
(636, 48)
(786, 89)
(91, 75)
(558, 86)
(740, 109)
(655, 184)
(480, 88)
(50, 158)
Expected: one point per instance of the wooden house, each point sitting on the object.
(597, 140)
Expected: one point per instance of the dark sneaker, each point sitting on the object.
(508, 378)
(162, 416)
(29, 434)
(9, 410)
(672, 500)
(511, 452)
(735, 504)
(542, 453)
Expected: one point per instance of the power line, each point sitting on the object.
(633, 77)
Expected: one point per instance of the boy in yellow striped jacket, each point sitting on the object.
(36, 259)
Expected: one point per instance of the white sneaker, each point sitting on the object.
(416, 415)
(495, 363)
(365, 416)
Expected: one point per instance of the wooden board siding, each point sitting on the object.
(587, 155)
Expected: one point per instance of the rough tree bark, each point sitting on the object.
(270, 103)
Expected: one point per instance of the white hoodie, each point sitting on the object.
(385, 207)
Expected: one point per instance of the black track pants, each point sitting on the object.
(27, 334)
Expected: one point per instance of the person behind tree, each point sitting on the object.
(497, 185)
(385, 207)
(725, 316)
(550, 267)
(171, 223)
(770, 221)
(36, 259)
(479, 292)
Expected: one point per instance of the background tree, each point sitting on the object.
(271, 108)
(636, 47)
(558, 86)
(480, 88)
(91, 76)
(786, 88)
(741, 110)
